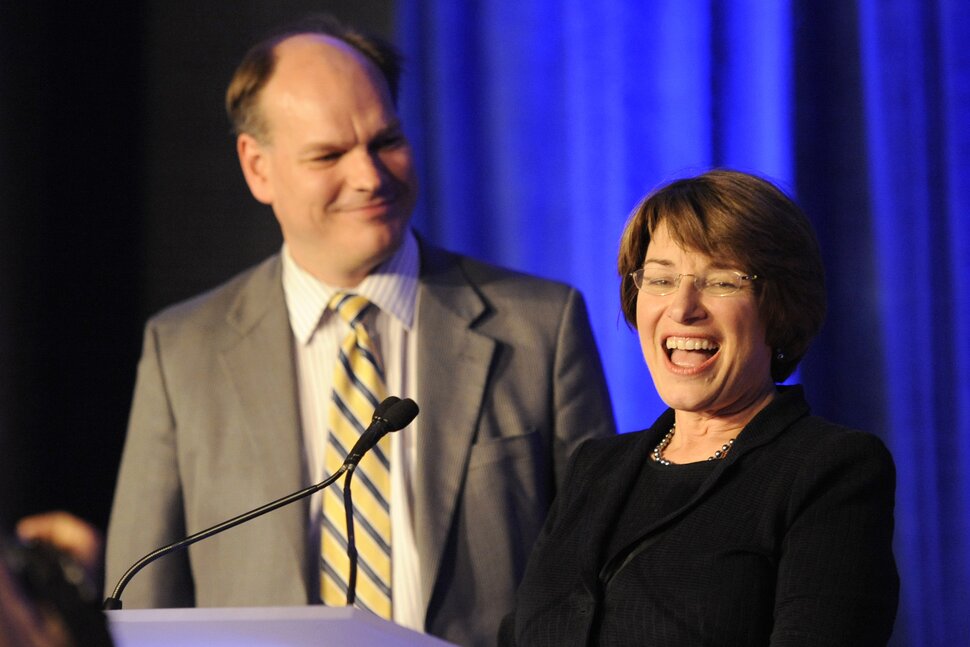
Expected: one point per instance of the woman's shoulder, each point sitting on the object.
(819, 449)
(611, 448)
(789, 428)
(827, 433)
(618, 442)
(613, 458)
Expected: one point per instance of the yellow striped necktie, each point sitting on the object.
(358, 387)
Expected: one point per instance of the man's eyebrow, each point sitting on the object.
(321, 146)
(393, 126)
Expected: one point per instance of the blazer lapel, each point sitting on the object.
(788, 407)
(259, 364)
(621, 477)
(453, 365)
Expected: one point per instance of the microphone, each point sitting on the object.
(390, 415)
(398, 416)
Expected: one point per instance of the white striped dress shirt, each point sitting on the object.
(393, 288)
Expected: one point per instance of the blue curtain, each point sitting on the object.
(539, 124)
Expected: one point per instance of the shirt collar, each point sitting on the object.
(392, 287)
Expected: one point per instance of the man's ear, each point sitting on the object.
(255, 167)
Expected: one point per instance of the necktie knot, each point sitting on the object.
(350, 307)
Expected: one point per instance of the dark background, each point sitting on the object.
(119, 194)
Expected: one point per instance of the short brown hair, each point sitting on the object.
(750, 222)
(257, 67)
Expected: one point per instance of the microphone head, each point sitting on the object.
(391, 415)
(382, 408)
(400, 414)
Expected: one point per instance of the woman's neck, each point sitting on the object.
(698, 435)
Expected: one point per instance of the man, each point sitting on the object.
(233, 408)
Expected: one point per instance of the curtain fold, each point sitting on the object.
(916, 85)
(539, 125)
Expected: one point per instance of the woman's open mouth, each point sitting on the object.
(690, 352)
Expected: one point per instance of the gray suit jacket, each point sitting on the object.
(510, 383)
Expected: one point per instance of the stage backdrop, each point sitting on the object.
(540, 125)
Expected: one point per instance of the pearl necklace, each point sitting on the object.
(658, 452)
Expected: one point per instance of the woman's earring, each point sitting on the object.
(779, 354)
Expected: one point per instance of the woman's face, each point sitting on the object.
(707, 354)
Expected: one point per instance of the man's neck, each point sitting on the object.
(337, 277)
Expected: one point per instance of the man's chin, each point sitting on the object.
(376, 243)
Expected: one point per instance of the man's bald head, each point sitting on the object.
(259, 64)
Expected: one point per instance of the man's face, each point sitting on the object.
(336, 167)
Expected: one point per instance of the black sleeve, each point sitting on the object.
(837, 580)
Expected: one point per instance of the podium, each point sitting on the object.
(306, 626)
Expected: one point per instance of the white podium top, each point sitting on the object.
(306, 626)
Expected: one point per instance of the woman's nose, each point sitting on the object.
(686, 304)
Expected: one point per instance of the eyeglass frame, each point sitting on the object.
(637, 277)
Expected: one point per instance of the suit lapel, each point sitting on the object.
(259, 364)
(453, 366)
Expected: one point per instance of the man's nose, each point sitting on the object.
(366, 171)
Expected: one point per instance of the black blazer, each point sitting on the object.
(787, 542)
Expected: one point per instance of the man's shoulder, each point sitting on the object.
(260, 282)
(439, 265)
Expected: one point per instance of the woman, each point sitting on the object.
(738, 518)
